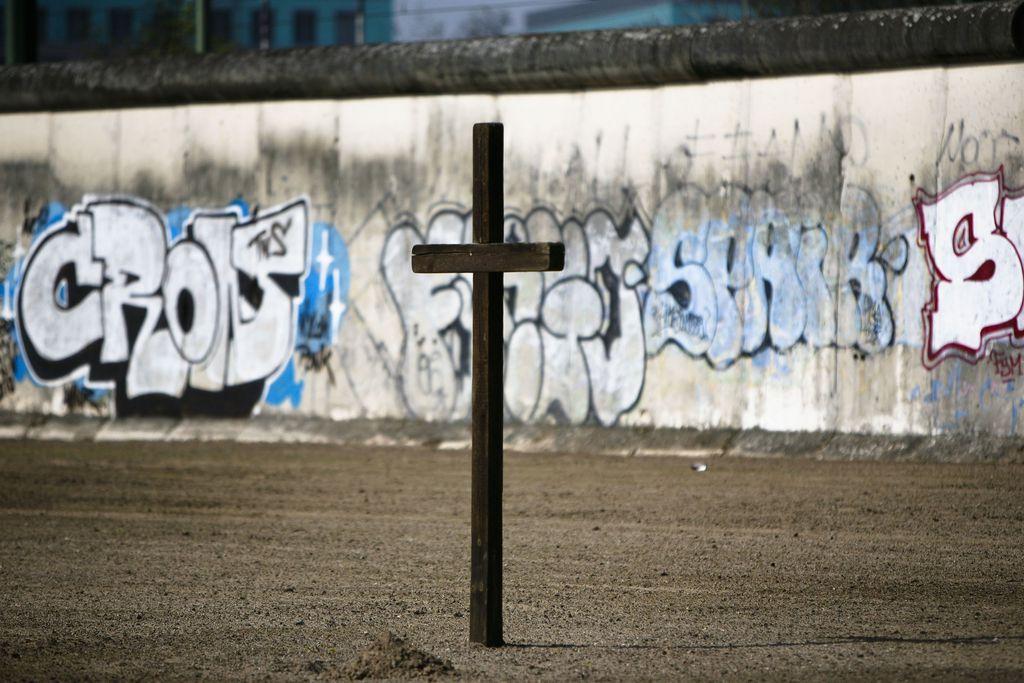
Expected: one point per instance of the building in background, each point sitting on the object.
(77, 29)
(602, 14)
(300, 23)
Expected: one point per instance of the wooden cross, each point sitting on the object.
(488, 258)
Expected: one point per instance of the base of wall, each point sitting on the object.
(692, 443)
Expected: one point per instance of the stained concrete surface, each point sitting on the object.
(220, 560)
(533, 438)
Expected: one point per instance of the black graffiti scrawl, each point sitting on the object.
(193, 325)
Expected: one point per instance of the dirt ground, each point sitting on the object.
(172, 561)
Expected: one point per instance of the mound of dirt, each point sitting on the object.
(390, 657)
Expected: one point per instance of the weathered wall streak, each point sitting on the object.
(808, 253)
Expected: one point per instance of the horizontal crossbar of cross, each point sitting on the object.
(498, 257)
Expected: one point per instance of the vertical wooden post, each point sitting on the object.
(488, 396)
(21, 32)
(488, 258)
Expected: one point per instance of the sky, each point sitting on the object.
(434, 19)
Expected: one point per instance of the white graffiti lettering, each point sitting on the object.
(574, 340)
(721, 289)
(973, 235)
(106, 295)
(577, 342)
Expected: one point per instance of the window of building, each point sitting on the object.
(79, 24)
(304, 27)
(263, 27)
(220, 25)
(43, 25)
(345, 28)
(121, 20)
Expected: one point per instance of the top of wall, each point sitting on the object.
(986, 32)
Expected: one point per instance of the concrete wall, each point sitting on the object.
(802, 253)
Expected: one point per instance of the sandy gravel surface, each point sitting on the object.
(174, 561)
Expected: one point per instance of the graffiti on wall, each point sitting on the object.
(195, 312)
(576, 344)
(717, 281)
(436, 310)
(763, 277)
(10, 255)
(574, 339)
(216, 311)
(201, 323)
(972, 234)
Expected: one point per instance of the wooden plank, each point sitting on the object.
(485, 622)
(488, 258)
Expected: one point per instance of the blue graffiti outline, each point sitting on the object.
(321, 312)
